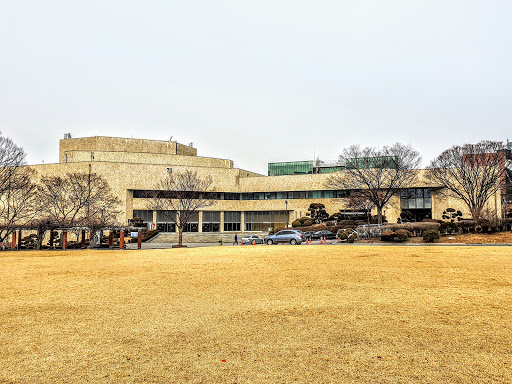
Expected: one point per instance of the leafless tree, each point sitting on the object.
(182, 193)
(76, 200)
(12, 157)
(381, 173)
(17, 202)
(361, 200)
(472, 173)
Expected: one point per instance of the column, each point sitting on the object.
(221, 221)
(200, 220)
(242, 221)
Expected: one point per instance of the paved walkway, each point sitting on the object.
(198, 245)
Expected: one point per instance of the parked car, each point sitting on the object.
(248, 240)
(369, 231)
(308, 235)
(321, 234)
(291, 236)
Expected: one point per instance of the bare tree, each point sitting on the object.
(12, 157)
(361, 200)
(381, 173)
(76, 200)
(182, 193)
(472, 173)
(17, 202)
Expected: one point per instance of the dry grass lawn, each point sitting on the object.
(308, 314)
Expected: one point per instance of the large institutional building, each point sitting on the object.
(246, 201)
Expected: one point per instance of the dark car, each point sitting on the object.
(319, 235)
(291, 236)
(308, 235)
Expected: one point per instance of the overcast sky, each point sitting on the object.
(256, 81)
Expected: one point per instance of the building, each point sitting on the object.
(246, 201)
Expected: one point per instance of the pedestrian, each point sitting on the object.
(236, 240)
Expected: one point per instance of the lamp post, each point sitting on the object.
(287, 215)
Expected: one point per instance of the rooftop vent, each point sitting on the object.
(67, 136)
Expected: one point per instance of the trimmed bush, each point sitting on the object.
(296, 223)
(349, 236)
(431, 236)
(388, 236)
(448, 228)
(401, 236)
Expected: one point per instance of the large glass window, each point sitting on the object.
(166, 221)
(145, 215)
(211, 221)
(416, 198)
(193, 223)
(263, 220)
(232, 221)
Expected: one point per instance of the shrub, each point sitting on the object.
(431, 236)
(479, 229)
(308, 223)
(347, 235)
(401, 236)
(388, 236)
(296, 223)
(448, 228)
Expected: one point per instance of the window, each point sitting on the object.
(416, 198)
(166, 221)
(263, 220)
(211, 221)
(193, 223)
(232, 221)
(146, 215)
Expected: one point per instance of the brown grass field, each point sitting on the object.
(280, 314)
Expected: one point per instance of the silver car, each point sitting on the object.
(290, 236)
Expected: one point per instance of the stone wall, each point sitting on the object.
(119, 144)
(146, 158)
(196, 237)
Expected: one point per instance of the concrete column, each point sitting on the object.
(222, 221)
(13, 244)
(19, 239)
(242, 221)
(200, 225)
(154, 220)
(83, 239)
(139, 239)
(64, 240)
(111, 239)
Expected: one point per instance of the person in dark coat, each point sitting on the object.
(236, 240)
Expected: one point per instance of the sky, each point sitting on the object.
(256, 81)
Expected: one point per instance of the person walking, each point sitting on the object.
(236, 240)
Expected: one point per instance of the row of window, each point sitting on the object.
(254, 220)
(322, 194)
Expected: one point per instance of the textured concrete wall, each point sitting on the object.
(146, 158)
(119, 144)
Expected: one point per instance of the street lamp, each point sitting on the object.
(287, 215)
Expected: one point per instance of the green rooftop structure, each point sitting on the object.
(290, 168)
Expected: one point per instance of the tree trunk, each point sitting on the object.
(180, 236)
(475, 213)
(379, 215)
